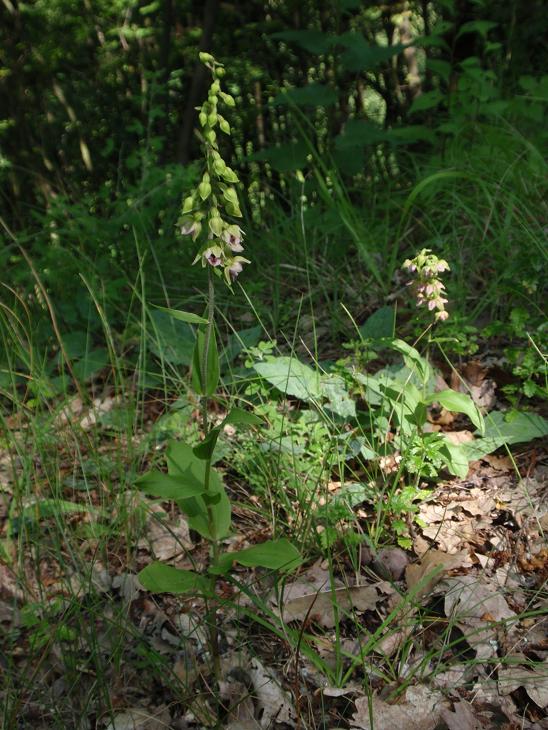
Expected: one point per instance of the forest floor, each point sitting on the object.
(449, 634)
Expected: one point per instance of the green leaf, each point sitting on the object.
(91, 363)
(180, 461)
(412, 358)
(338, 400)
(310, 95)
(515, 426)
(380, 324)
(458, 403)
(428, 100)
(311, 40)
(358, 133)
(411, 134)
(477, 26)
(291, 377)
(237, 416)
(46, 508)
(182, 486)
(456, 458)
(205, 383)
(360, 56)
(285, 157)
(188, 317)
(441, 68)
(160, 578)
(272, 554)
(238, 341)
(170, 340)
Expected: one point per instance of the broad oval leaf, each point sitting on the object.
(273, 554)
(182, 486)
(161, 578)
(291, 377)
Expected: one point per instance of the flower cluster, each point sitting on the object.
(209, 208)
(428, 288)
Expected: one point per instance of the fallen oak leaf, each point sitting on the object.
(418, 709)
(273, 703)
(534, 681)
(463, 717)
(432, 567)
(322, 606)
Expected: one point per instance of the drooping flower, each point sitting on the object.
(233, 267)
(232, 236)
(213, 256)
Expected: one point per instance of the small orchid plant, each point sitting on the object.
(427, 286)
(208, 215)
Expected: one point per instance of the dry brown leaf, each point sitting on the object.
(141, 718)
(315, 579)
(476, 605)
(452, 534)
(459, 437)
(463, 717)
(166, 539)
(431, 569)
(454, 676)
(235, 696)
(419, 709)
(319, 606)
(390, 563)
(534, 681)
(273, 703)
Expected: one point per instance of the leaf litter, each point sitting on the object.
(467, 633)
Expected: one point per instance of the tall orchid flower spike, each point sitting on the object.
(208, 213)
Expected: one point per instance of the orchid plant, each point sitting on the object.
(426, 284)
(208, 218)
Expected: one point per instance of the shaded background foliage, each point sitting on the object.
(98, 113)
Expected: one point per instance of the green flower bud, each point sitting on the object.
(234, 210)
(204, 190)
(203, 118)
(230, 176)
(206, 57)
(231, 196)
(224, 125)
(219, 166)
(215, 88)
(216, 225)
(212, 119)
(228, 99)
(220, 72)
(211, 136)
(188, 204)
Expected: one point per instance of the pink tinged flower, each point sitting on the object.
(432, 304)
(212, 256)
(235, 269)
(232, 236)
(188, 228)
(442, 316)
